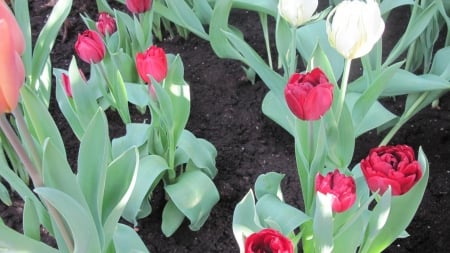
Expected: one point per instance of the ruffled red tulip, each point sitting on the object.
(12, 72)
(90, 47)
(309, 95)
(106, 24)
(138, 6)
(152, 62)
(393, 166)
(342, 188)
(267, 241)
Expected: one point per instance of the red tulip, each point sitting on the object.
(309, 95)
(393, 166)
(66, 84)
(342, 188)
(106, 24)
(12, 72)
(152, 62)
(89, 47)
(138, 6)
(267, 241)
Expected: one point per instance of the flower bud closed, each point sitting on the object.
(152, 62)
(268, 240)
(106, 24)
(12, 71)
(309, 95)
(90, 47)
(138, 6)
(66, 85)
(342, 189)
(393, 166)
(297, 12)
(354, 27)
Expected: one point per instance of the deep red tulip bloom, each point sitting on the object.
(66, 84)
(309, 95)
(12, 71)
(138, 6)
(106, 24)
(393, 166)
(90, 47)
(342, 188)
(152, 62)
(268, 241)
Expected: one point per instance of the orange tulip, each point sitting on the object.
(12, 71)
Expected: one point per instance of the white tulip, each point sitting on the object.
(355, 27)
(297, 12)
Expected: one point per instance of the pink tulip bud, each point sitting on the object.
(342, 188)
(152, 62)
(106, 24)
(138, 6)
(90, 47)
(309, 95)
(393, 166)
(66, 84)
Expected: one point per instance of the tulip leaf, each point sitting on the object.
(78, 219)
(31, 225)
(272, 210)
(126, 240)
(188, 18)
(245, 219)
(194, 194)
(278, 111)
(137, 94)
(172, 218)
(14, 241)
(151, 170)
(387, 6)
(269, 183)
(4, 195)
(323, 223)
(136, 135)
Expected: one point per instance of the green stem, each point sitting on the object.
(307, 237)
(403, 119)
(344, 84)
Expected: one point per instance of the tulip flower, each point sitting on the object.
(354, 27)
(66, 84)
(268, 240)
(106, 24)
(297, 12)
(309, 95)
(152, 62)
(12, 71)
(138, 6)
(342, 189)
(90, 47)
(393, 166)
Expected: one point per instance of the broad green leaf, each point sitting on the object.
(150, 172)
(263, 6)
(188, 18)
(286, 49)
(272, 210)
(194, 194)
(278, 111)
(320, 60)
(46, 38)
(137, 94)
(78, 219)
(172, 218)
(269, 183)
(126, 240)
(388, 5)
(440, 66)
(4, 194)
(203, 11)
(323, 223)
(12, 241)
(136, 135)
(245, 219)
(103, 6)
(31, 225)
(92, 166)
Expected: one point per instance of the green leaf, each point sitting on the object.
(387, 6)
(78, 219)
(136, 135)
(172, 218)
(323, 223)
(269, 183)
(4, 194)
(31, 225)
(137, 94)
(12, 241)
(150, 172)
(245, 219)
(126, 240)
(440, 66)
(188, 19)
(272, 210)
(194, 194)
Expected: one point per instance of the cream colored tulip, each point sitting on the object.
(354, 27)
(297, 12)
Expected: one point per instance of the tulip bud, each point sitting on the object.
(66, 84)
(152, 62)
(12, 71)
(297, 12)
(106, 24)
(310, 95)
(342, 189)
(354, 27)
(89, 47)
(138, 6)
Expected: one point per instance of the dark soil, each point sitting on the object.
(226, 110)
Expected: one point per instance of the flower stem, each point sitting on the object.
(307, 237)
(344, 84)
